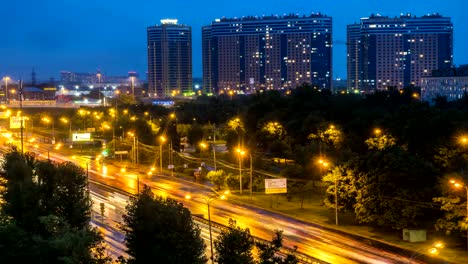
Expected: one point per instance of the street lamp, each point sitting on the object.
(6, 79)
(325, 164)
(214, 146)
(67, 121)
(162, 139)
(463, 141)
(208, 200)
(47, 121)
(463, 185)
(132, 79)
(377, 132)
(99, 84)
(241, 153)
(135, 147)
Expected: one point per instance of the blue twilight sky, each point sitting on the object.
(86, 35)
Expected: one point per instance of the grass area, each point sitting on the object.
(313, 211)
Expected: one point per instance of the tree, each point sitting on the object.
(454, 218)
(162, 230)
(195, 135)
(73, 202)
(268, 252)
(45, 215)
(20, 192)
(234, 245)
(65, 244)
(393, 188)
(453, 203)
(344, 178)
(330, 135)
(217, 177)
(380, 142)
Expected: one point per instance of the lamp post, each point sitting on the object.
(325, 165)
(241, 153)
(462, 185)
(132, 79)
(47, 121)
(87, 174)
(99, 84)
(250, 155)
(135, 147)
(6, 79)
(67, 121)
(162, 139)
(208, 201)
(214, 146)
(21, 116)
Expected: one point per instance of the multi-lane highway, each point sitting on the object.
(310, 239)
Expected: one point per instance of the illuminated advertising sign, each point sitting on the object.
(276, 186)
(15, 122)
(81, 137)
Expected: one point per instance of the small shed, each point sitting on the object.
(414, 235)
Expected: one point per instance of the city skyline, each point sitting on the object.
(115, 42)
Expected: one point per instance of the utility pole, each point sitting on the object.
(99, 85)
(250, 176)
(21, 111)
(214, 146)
(171, 159)
(6, 79)
(160, 158)
(240, 173)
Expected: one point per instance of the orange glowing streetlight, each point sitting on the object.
(241, 153)
(458, 186)
(6, 79)
(325, 164)
(377, 131)
(162, 140)
(463, 140)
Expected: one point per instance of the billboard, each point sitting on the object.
(15, 122)
(81, 137)
(275, 186)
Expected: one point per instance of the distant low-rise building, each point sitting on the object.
(451, 83)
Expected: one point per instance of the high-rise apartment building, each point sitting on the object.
(269, 52)
(169, 59)
(397, 52)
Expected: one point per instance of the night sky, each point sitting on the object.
(86, 35)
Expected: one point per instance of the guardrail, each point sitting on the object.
(303, 258)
